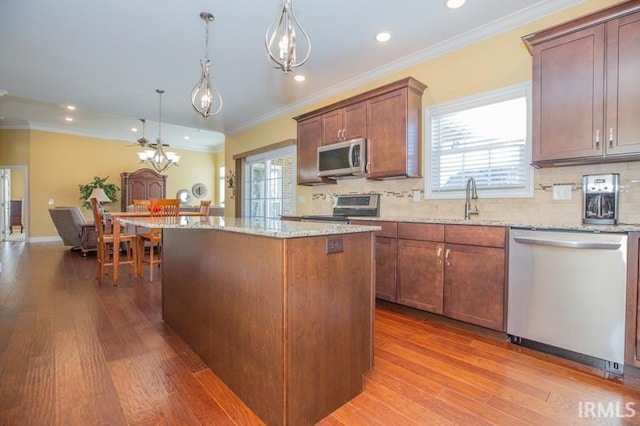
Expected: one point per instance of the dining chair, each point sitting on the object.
(141, 205)
(158, 208)
(204, 207)
(105, 245)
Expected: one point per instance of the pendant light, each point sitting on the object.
(155, 156)
(281, 40)
(205, 98)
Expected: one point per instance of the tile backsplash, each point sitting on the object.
(397, 199)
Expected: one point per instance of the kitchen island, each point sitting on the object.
(281, 311)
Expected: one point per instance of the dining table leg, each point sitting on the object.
(116, 248)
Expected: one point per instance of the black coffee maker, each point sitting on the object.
(601, 193)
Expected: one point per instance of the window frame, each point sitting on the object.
(289, 150)
(474, 101)
(222, 183)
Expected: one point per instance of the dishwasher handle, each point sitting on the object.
(568, 243)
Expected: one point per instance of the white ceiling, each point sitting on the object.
(108, 57)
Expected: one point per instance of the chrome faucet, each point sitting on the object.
(471, 193)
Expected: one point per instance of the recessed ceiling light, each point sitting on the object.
(299, 77)
(68, 119)
(186, 138)
(3, 92)
(383, 36)
(454, 4)
(70, 107)
(134, 129)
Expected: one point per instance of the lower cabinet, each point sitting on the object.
(454, 270)
(474, 285)
(386, 257)
(420, 275)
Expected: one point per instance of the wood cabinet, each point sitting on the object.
(345, 123)
(386, 246)
(454, 270)
(390, 117)
(141, 185)
(632, 314)
(394, 133)
(288, 328)
(585, 88)
(420, 266)
(309, 139)
(474, 282)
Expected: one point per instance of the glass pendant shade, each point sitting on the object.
(205, 97)
(282, 43)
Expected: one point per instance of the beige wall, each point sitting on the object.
(17, 184)
(497, 62)
(58, 163)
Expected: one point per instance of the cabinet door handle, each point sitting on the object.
(598, 138)
(610, 137)
(447, 257)
(439, 255)
(343, 132)
(338, 136)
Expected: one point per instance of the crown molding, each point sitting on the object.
(483, 32)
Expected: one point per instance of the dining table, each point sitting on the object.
(115, 217)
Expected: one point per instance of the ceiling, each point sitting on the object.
(107, 58)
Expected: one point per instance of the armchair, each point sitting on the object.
(74, 229)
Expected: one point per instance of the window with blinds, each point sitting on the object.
(485, 137)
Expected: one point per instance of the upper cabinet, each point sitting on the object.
(389, 117)
(345, 123)
(586, 88)
(309, 139)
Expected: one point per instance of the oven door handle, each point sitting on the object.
(567, 243)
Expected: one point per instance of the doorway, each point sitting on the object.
(13, 203)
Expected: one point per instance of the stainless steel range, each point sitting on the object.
(351, 205)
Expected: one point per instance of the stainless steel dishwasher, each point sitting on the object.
(567, 294)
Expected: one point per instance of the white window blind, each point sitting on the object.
(485, 137)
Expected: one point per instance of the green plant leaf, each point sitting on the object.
(109, 188)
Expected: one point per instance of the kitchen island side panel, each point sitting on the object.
(223, 294)
(288, 327)
(329, 322)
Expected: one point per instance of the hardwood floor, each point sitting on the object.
(73, 352)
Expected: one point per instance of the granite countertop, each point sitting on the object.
(561, 227)
(266, 227)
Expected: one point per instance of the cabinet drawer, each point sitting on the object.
(389, 229)
(421, 231)
(488, 236)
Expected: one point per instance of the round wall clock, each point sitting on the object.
(199, 190)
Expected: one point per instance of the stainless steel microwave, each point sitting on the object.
(343, 159)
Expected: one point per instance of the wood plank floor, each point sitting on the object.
(73, 352)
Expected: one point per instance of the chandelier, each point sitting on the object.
(205, 98)
(280, 40)
(154, 155)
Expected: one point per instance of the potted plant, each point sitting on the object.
(109, 188)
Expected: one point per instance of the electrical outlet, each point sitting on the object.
(334, 245)
(562, 192)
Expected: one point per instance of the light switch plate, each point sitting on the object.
(562, 192)
(416, 195)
